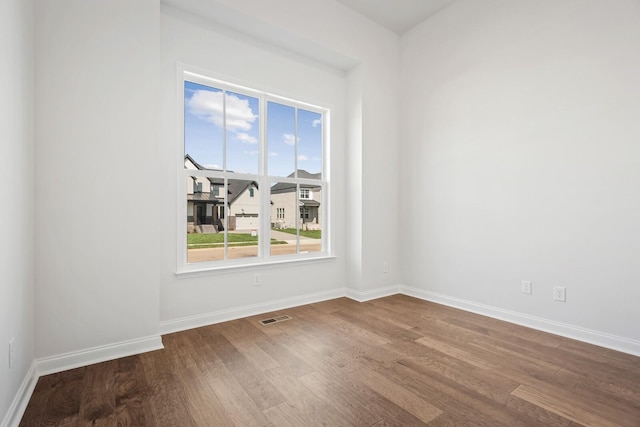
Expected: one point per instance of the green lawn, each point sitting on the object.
(200, 241)
(314, 234)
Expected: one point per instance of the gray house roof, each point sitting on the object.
(235, 188)
(207, 198)
(285, 187)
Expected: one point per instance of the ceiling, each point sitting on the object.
(398, 16)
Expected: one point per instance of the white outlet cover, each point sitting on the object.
(526, 287)
(560, 293)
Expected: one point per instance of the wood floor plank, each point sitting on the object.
(59, 401)
(201, 400)
(167, 403)
(626, 415)
(397, 394)
(239, 406)
(131, 392)
(456, 353)
(285, 415)
(394, 361)
(378, 326)
(561, 407)
(392, 415)
(98, 401)
(538, 415)
(347, 400)
(278, 348)
(180, 351)
(244, 336)
(311, 408)
(468, 405)
(255, 383)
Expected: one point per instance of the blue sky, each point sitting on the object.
(204, 133)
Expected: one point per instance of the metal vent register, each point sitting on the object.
(275, 319)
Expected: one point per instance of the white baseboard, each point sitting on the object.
(76, 359)
(20, 401)
(598, 338)
(182, 324)
(364, 296)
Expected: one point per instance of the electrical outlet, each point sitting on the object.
(385, 267)
(560, 293)
(12, 352)
(526, 287)
(256, 279)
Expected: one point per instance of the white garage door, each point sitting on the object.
(247, 222)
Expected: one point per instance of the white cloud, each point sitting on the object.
(316, 123)
(251, 153)
(246, 138)
(272, 154)
(212, 166)
(302, 157)
(289, 139)
(207, 105)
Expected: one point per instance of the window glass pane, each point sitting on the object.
(243, 133)
(284, 218)
(243, 220)
(309, 204)
(281, 130)
(205, 236)
(309, 144)
(203, 126)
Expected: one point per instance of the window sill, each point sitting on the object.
(258, 265)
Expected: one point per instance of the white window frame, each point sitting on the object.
(196, 75)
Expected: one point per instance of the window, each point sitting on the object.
(304, 213)
(305, 193)
(259, 155)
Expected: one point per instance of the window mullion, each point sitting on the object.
(225, 188)
(264, 234)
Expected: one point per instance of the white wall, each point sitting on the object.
(16, 195)
(97, 81)
(189, 40)
(521, 158)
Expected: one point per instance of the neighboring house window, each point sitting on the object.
(304, 213)
(252, 176)
(305, 193)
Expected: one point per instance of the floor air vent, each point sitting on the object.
(275, 319)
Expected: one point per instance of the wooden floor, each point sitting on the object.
(393, 361)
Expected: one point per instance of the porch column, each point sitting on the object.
(195, 215)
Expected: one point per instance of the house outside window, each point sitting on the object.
(259, 155)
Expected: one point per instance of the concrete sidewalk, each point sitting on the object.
(279, 235)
